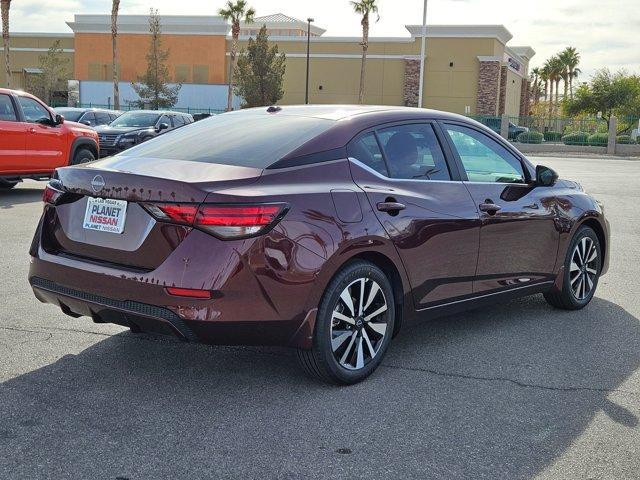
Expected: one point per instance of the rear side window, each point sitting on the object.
(413, 152)
(244, 139)
(7, 112)
(366, 150)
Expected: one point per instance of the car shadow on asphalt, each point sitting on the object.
(19, 196)
(500, 392)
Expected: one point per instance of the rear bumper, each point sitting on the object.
(254, 301)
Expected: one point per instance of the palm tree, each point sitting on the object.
(544, 76)
(115, 6)
(235, 12)
(364, 8)
(535, 88)
(571, 59)
(4, 6)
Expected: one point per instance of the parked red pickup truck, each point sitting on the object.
(34, 140)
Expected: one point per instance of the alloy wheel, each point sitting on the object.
(359, 323)
(583, 268)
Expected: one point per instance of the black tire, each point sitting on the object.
(83, 155)
(567, 298)
(321, 361)
(7, 184)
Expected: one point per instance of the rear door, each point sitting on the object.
(423, 206)
(518, 238)
(12, 135)
(45, 147)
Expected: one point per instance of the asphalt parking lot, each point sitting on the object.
(517, 390)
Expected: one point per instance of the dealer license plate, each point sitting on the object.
(105, 215)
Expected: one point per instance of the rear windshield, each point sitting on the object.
(241, 139)
(71, 115)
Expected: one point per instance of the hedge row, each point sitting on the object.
(530, 137)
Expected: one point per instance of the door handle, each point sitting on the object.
(391, 206)
(32, 130)
(490, 208)
(533, 206)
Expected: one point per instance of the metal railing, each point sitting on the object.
(125, 108)
(585, 131)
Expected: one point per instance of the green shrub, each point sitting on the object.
(598, 139)
(576, 138)
(625, 140)
(552, 136)
(530, 137)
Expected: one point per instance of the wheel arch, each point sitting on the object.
(83, 142)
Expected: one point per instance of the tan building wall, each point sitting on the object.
(451, 71)
(26, 50)
(199, 53)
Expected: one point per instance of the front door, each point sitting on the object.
(518, 238)
(427, 211)
(12, 135)
(45, 147)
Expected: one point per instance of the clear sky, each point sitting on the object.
(605, 32)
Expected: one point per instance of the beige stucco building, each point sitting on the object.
(469, 68)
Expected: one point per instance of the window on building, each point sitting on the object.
(7, 112)
(183, 73)
(96, 71)
(201, 74)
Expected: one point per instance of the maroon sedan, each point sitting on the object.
(322, 228)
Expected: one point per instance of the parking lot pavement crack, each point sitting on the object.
(512, 381)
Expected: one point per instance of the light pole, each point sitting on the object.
(306, 90)
(422, 52)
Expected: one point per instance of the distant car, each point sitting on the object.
(494, 124)
(34, 140)
(137, 126)
(91, 117)
(200, 116)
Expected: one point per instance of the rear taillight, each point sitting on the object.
(51, 195)
(224, 221)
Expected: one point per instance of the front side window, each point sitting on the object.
(164, 119)
(178, 121)
(33, 111)
(102, 118)
(484, 159)
(7, 112)
(365, 149)
(413, 152)
(89, 118)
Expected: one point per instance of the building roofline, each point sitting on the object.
(499, 32)
(171, 24)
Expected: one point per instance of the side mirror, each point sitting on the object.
(86, 122)
(545, 176)
(59, 119)
(163, 126)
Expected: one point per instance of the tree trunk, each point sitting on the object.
(557, 90)
(546, 89)
(365, 46)
(566, 87)
(5, 4)
(235, 33)
(114, 53)
(571, 84)
(550, 98)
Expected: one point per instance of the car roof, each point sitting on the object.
(159, 112)
(344, 112)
